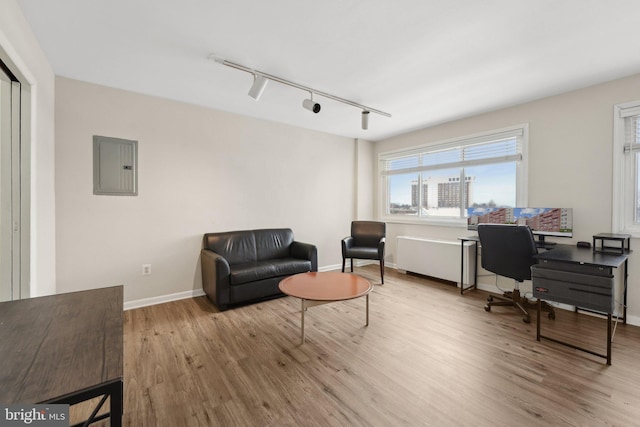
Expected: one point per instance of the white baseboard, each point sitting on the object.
(632, 320)
(330, 268)
(145, 302)
(162, 299)
(356, 263)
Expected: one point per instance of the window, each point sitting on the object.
(436, 183)
(626, 178)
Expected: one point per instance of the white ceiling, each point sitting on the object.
(423, 61)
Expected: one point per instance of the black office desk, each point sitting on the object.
(572, 271)
(64, 348)
(583, 256)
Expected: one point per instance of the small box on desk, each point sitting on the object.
(612, 243)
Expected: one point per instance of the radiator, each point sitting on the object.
(436, 258)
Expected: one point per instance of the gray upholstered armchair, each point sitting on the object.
(366, 242)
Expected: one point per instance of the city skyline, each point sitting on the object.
(491, 183)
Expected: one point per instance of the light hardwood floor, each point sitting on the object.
(428, 357)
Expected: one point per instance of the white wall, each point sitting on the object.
(365, 208)
(570, 162)
(200, 171)
(17, 40)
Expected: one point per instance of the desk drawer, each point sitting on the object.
(592, 291)
(592, 270)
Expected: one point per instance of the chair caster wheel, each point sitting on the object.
(489, 298)
(551, 316)
(526, 319)
(487, 308)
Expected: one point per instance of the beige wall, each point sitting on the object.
(204, 170)
(570, 162)
(365, 208)
(200, 171)
(23, 50)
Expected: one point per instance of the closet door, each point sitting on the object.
(10, 202)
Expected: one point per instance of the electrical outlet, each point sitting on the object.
(146, 269)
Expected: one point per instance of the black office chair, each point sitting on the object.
(508, 250)
(366, 242)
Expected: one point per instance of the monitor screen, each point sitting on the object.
(542, 221)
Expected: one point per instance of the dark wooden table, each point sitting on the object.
(64, 348)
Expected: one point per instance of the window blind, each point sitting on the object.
(632, 132)
(500, 147)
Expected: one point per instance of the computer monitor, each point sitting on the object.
(556, 222)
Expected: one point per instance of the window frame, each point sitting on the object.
(625, 173)
(457, 142)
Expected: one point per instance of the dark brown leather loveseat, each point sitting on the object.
(246, 266)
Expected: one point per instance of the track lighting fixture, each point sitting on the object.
(365, 119)
(310, 105)
(261, 79)
(259, 83)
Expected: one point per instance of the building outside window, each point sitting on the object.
(438, 182)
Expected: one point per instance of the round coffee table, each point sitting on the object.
(322, 288)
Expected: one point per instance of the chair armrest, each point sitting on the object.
(381, 247)
(306, 251)
(347, 243)
(215, 278)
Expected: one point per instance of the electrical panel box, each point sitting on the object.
(115, 166)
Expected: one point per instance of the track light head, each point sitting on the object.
(259, 83)
(365, 119)
(216, 58)
(311, 105)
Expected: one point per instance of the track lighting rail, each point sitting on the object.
(295, 85)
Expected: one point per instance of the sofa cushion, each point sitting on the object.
(289, 266)
(237, 247)
(273, 243)
(251, 271)
(260, 270)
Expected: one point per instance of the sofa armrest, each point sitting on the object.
(215, 278)
(305, 251)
